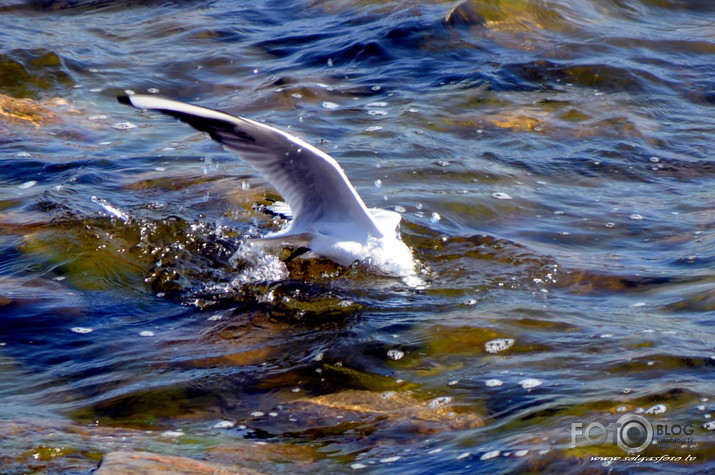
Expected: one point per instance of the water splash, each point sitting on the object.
(261, 266)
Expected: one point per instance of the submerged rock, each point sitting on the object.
(136, 463)
(386, 411)
(25, 111)
(61, 446)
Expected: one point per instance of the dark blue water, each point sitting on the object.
(553, 165)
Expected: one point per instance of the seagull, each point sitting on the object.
(328, 216)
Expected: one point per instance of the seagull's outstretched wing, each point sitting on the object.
(310, 180)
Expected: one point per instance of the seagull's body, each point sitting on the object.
(328, 215)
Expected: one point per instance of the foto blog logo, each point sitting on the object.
(633, 433)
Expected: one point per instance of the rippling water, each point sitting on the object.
(553, 164)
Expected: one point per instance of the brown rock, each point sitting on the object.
(390, 409)
(139, 463)
(26, 111)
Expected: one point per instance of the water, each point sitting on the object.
(553, 164)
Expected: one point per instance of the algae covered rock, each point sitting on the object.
(136, 463)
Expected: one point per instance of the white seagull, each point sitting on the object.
(328, 216)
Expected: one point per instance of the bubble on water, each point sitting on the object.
(128, 92)
(172, 433)
(521, 453)
(395, 354)
(400, 209)
(390, 459)
(373, 128)
(435, 217)
(529, 383)
(330, 105)
(376, 88)
(98, 117)
(657, 409)
(709, 426)
(214, 318)
(636, 217)
(123, 125)
(224, 425)
(610, 224)
(654, 159)
(606, 335)
(295, 390)
(500, 344)
(622, 409)
(146, 333)
(257, 414)
(81, 330)
(153, 90)
(297, 95)
(374, 112)
(27, 185)
(378, 183)
(358, 466)
(490, 455)
(639, 304)
(493, 383)
(501, 196)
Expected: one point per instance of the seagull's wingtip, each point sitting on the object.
(125, 99)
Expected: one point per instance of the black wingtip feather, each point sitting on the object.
(213, 126)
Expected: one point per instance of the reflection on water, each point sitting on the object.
(552, 162)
